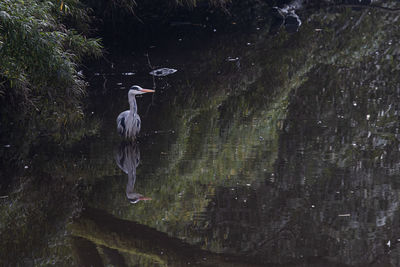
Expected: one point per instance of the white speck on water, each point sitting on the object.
(7, 146)
(231, 59)
(245, 200)
(368, 116)
(128, 73)
(248, 44)
(344, 215)
(312, 206)
(214, 30)
(248, 184)
(388, 243)
(26, 167)
(355, 103)
(119, 83)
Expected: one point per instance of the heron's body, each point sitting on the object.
(128, 122)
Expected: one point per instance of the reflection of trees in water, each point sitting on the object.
(334, 192)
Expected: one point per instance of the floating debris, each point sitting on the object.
(128, 73)
(344, 215)
(7, 146)
(162, 72)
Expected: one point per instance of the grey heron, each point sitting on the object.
(128, 158)
(128, 122)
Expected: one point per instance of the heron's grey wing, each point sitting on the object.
(121, 122)
(138, 124)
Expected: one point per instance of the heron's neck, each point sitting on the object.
(132, 104)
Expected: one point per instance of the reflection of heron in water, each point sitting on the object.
(128, 158)
(128, 122)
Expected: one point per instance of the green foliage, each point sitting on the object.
(40, 56)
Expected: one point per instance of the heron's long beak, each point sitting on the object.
(146, 90)
(144, 198)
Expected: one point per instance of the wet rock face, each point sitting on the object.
(292, 23)
(285, 16)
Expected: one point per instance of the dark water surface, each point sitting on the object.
(260, 150)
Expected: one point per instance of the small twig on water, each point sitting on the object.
(154, 84)
(151, 67)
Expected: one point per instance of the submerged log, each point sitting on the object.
(134, 238)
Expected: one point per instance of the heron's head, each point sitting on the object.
(137, 90)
